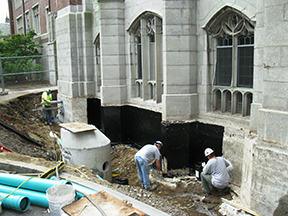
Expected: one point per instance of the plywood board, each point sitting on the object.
(111, 205)
(76, 127)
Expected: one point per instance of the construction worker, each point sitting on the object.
(46, 102)
(215, 173)
(143, 158)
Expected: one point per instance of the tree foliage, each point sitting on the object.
(24, 46)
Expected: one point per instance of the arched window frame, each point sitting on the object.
(231, 38)
(146, 57)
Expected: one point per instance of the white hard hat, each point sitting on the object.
(208, 151)
(159, 143)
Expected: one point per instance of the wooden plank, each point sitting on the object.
(111, 205)
(76, 127)
(240, 207)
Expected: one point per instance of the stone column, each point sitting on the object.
(112, 43)
(180, 98)
(76, 78)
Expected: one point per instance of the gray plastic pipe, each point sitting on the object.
(16, 202)
(35, 183)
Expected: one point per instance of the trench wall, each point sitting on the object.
(184, 142)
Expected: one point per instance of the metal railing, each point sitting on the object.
(27, 71)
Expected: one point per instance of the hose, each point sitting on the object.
(21, 134)
(92, 201)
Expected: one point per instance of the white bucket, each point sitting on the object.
(58, 197)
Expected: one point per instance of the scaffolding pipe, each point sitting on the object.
(15, 202)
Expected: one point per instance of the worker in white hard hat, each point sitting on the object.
(215, 173)
(46, 102)
(143, 158)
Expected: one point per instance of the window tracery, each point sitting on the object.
(232, 40)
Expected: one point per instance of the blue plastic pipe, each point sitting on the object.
(36, 198)
(35, 183)
(16, 202)
(83, 189)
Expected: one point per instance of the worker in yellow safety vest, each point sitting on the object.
(46, 102)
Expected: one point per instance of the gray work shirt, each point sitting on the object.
(217, 168)
(149, 153)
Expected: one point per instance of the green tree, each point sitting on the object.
(20, 45)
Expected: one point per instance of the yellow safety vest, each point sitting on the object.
(46, 96)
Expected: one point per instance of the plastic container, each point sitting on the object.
(198, 170)
(59, 196)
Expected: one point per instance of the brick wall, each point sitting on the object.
(43, 5)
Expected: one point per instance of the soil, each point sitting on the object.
(178, 194)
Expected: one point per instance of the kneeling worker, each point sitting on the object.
(215, 172)
(143, 157)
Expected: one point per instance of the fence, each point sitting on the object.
(28, 71)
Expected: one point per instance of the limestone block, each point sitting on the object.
(273, 126)
(268, 180)
(181, 75)
(180, 43)
(181, 58)
(113, 95)
(284, 57)
(254, 117)
(271, 56)
(72, 108)
(179, 106)
(114, 39)
(113, 49)
(184, 16)
(172, 30)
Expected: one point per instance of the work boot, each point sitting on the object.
(50, 123)
(152, 188)
(46, 123)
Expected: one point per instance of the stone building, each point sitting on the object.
(188, 72)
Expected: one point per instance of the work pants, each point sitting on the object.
(143, 172)
(47, 114)
(206, 183)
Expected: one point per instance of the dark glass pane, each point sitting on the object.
(225, 41)
(239, 103)
(139, 61)
(245, 67)
(228, 102)
(218, 100)
(223, 66)
(246, 40)
(249, 102)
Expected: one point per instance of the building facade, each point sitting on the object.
(191, 73)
